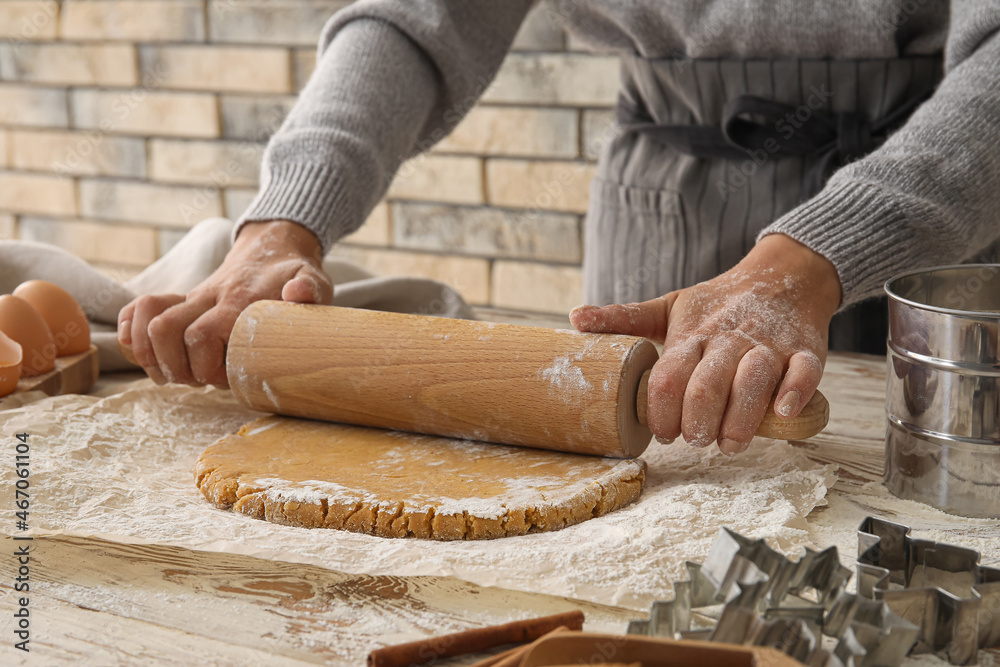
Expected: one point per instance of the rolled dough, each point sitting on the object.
(393, 484)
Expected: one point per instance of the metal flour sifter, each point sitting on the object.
(943, 388)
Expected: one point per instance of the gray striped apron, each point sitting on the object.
(712, 151)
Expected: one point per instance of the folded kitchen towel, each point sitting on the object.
(187, 264)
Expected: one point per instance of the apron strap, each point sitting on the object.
(752, 124)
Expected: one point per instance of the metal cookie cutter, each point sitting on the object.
(746, 592)
(941, 588)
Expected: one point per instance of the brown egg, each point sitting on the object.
(61, 312)
(23, 323)
(10, 365)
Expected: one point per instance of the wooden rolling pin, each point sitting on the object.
(545, 388)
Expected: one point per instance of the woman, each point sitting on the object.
(713, 218)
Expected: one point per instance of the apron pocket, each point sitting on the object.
(634, 244)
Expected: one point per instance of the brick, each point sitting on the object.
(143, 112)
(69, 64)
(32, 107)
(8, 226)
(78, 153)
(94, 241)
(512, 131)
(134, 20)
(562, 79)
(217, 68)
(377, 229)
(536, 287)
(34, 193)
(238, 200)
(148, 204)
(288, 22)
(304, 63)
(487, 231)
(439, 178)
(29, 19)
(223, 163)
(554, 186)
(471, 277)
(254, 118)
(598, 130)
(541, 30)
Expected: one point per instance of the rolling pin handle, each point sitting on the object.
(813, 418)
(642, 398)
(126, 351)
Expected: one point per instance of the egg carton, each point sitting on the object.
(914, 596)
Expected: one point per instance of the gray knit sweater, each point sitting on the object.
(396, 75)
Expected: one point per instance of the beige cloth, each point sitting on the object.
(187, 264)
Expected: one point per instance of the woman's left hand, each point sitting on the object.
(728, 342)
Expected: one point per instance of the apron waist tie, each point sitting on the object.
(752, 124)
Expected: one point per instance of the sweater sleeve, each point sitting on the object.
(392, 79)
(929, 195)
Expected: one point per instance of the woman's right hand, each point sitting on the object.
(729, 342)
(183, 338)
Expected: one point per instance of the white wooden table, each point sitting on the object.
(101, 603)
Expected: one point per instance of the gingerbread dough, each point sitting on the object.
(392, 484)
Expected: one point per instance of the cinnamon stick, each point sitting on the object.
(472, 641)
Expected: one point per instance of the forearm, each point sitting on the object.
(354, 123)
(928, 196)
(393, 78)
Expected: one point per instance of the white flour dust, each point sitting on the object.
(120, 468)
(565, 375)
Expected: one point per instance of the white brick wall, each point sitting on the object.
(69, 64)
(37, 193)
(24, 20)
(124, 122)
(29, 106)
(144, 112)
(133, 20)
(218, 68)
(77, 153)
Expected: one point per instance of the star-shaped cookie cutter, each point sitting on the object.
(748, 593)
(940, 588)
(913, 596)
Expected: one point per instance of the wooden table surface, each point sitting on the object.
(103, 603)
